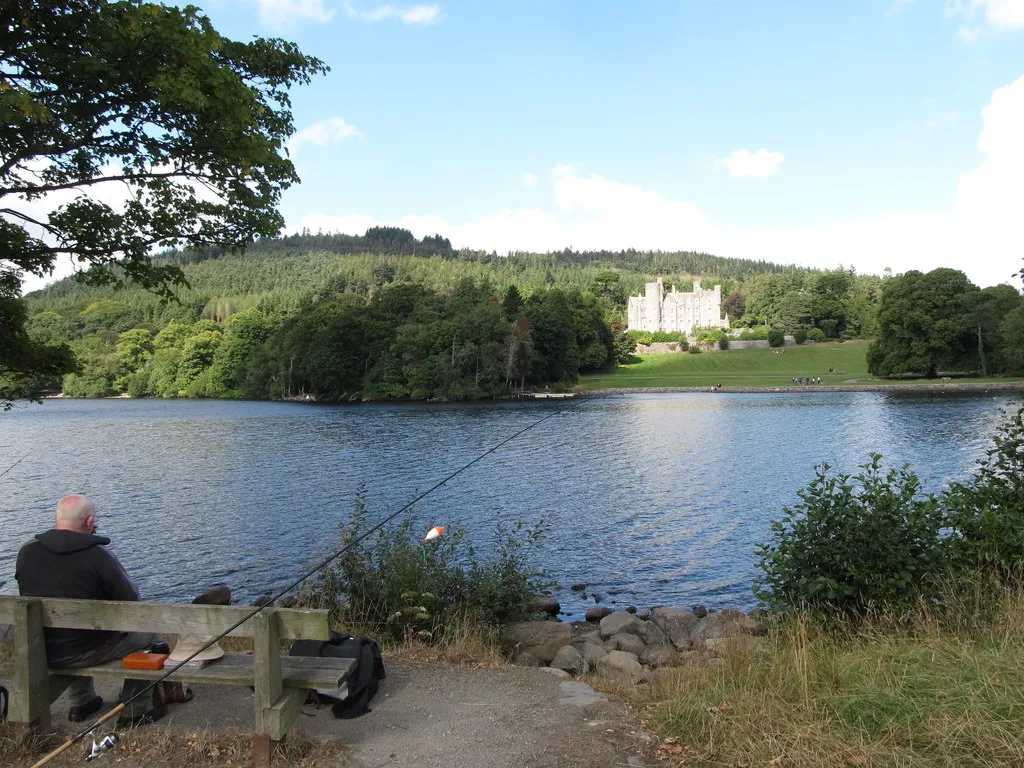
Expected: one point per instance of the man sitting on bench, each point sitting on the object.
(70, 560)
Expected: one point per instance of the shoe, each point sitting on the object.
(147, 718)
(82, 711)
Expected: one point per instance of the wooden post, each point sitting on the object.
(266, 643)
(30, 704)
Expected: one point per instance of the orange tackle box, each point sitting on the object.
(143, 660)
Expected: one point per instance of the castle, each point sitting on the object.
(674, 311)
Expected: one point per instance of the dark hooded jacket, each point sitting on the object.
(70, 564)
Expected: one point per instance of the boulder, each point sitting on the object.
(557, 672)
(546, 604)
(592, 653)
(700, 611)
(526, 660)
(539, 638)
(676, 624)
(598, 612)
(617, 622)
(631, 609)
(591, 637)
(650, 634)
(622, 665)
(714, 625)
(626, 642)
(571, 660)
(578, 587)
(660, 656)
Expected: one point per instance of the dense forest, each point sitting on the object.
(390, 316)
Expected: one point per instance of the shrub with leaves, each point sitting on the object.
(816, 335)
(854, 545)
(800, 335)
(987, 513)
(776, 338)
(392, 585)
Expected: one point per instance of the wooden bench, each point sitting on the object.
(281, 683)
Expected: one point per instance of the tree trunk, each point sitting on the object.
(981, 353)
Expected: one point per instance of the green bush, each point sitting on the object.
(757, 333)
(390, 585)
(816, 335)
(800, 336)
(694, 350)
(723, 342)
(854, 545)
(776, 338)
(987, 513)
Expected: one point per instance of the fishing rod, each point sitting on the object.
(319, 566)
(15, 464)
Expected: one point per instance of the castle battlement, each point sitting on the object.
(661, 310)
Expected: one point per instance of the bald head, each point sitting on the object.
(76, 513)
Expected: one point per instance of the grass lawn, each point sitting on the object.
(760, 367)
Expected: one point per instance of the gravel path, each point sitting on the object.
(428, 715)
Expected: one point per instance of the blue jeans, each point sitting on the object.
(81, 688)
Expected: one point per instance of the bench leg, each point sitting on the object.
(262, 750)
(30, 702)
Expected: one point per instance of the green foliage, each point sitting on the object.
(987, 512)
(854, 545)
(776, 337)
(723, 342)
(394, 585)
(757, 333)
(932, 322)
(800, 335)
(694, 350)
(191, 124)
(816, 335)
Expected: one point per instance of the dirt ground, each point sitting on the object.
(424, 715)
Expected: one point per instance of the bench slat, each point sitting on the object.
(234, 669)
(168, 618)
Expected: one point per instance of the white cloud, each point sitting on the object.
(979, 232)
(969, 34)
(1001, 15)
(744, 163)
(321, 133)
(946, 117)
(282, 14)
(407, 14)
(530, 179)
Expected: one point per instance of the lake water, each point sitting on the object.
(649, 498)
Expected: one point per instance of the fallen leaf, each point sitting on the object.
(725, 708)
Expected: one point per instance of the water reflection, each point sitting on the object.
(658, 498)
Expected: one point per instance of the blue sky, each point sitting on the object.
(871, 133)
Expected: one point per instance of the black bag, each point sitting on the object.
(362, 685)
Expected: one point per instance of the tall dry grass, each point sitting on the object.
(937, 688)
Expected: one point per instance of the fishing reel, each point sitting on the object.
(107, 743)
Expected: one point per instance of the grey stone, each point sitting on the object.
(619, 664)
(557, 672)
(591, 637)
(700, 611)
(526, 660)
(631, 609)
(577, 694)
(712, 626)
(660, 656)
(593, 653)
(598, 612)
(651, 634)
(617, 622)
(627, 642)
(546, 604)
(540, 638)
(571, 660)
(578, 587)
(676, 624)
